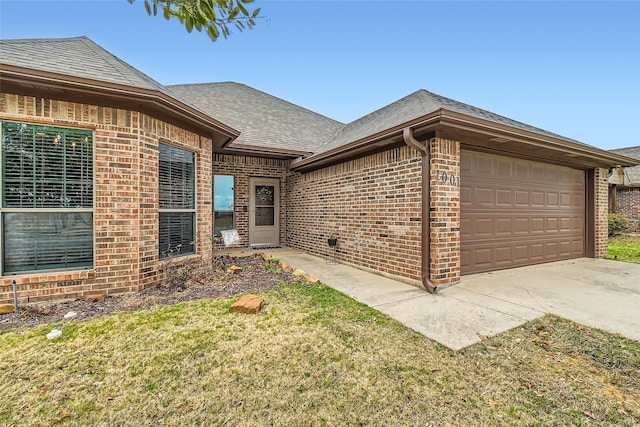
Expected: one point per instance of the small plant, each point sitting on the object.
(272, 265)
(617, 224)
(180, 272)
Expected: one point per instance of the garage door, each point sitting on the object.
(518, 212)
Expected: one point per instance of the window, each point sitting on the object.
(47, 198)
(177, 201)
(223, 199)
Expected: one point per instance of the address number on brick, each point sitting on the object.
(445, 178)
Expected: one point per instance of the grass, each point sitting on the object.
(313, 356)
(624, 249)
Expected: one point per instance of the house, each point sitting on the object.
(624, 192)
(106, 173)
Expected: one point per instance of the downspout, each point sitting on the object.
(423, 148)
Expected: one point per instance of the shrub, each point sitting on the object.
(617, 224)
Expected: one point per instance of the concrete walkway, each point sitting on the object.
(600, 293)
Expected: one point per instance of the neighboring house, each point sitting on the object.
(624, 192)
(106, 172)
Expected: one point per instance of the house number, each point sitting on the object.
(445, 178)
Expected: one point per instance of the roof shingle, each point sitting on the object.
(414, 106)
(264, 120)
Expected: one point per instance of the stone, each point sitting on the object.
(234, 269)
(285, 266)
(248, 304)
(297, 272)
(7, 308)
(311, 279)
(70, 315)
(95, 297)
(54, 334)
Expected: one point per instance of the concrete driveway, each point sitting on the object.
(595, 292)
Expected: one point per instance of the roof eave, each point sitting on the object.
(57, 85)
(260, 151)
(447, 122)
(603, 158)
(368, 145)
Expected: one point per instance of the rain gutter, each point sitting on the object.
(423, 148)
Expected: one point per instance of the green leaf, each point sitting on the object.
(244, 10)
(233, 13)
(255, 13)
(167, 14)
(155, 9)
(208, 10)
(188, 23)
(213, 32)
(148, 7)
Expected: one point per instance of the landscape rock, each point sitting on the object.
(54, 334)
(248, 304)
(95, 297)
(234, 269)
(7, 308)
(311, 279)
(70, 315)
(285, 266)
(297, 272)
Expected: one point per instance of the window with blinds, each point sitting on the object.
(177, 201)
(47, 198)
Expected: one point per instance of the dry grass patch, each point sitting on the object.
(313, 356)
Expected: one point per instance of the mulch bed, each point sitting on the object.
(205, 281)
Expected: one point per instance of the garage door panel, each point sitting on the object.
(504, 197)
(483, 196)
(519, 212)
(489, 226)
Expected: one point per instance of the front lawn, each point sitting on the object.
(624, 249)
(313, 356)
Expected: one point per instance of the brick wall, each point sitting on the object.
(445, 211)
(242, 168)
(628, 205)
(601, 199)
(125, 192)
(372, 205)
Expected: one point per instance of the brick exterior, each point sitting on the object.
(601, 197)
(125, 194)
(372, 205)
(243, 168)
(445, 211)
(627, 205)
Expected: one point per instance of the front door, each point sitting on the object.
(264, 212)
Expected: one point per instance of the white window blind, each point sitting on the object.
(47, 198)
(177, 201)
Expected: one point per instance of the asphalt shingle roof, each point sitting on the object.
(632, 172)
(264, 120)
(77, 57)
(414, 106)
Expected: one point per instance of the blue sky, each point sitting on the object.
(570, 67)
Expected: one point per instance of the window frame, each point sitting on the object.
(169, 252)
(47, 210)
(232, 210)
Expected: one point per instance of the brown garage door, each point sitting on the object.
(518, 212)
